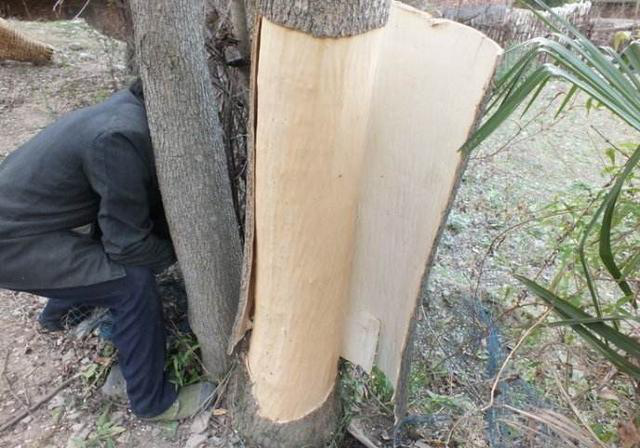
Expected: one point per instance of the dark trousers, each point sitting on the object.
(138, 333)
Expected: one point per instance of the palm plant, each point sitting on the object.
(611, 80)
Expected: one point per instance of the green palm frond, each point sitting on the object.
(610, 79)
(594, 331)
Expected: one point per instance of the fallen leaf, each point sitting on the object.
(608, 394)
(200, 423)
(195, 440)
(629, 435)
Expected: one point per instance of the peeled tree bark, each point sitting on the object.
(192, 166)
(337, 235)
(287, 394)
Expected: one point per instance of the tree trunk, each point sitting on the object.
(328, 18)
(192, 166)
(286, 389)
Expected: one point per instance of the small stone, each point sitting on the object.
(195, 440)
(115, 385)
(69, 356)
(216, 441)
(75, 46)
(80, 432)
(117, 417)
(56, 402)
(74, 415)
(200, 423)
(78, 427)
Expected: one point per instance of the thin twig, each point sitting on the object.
(81, 9)
(57, 4)
(42, 401)
(498, 376)
(557, 422)
(567, 398)
(9, 383)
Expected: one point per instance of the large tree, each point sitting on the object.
(192, 166)
(336, 236)
(193, 169)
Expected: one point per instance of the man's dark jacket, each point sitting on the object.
(93, 166)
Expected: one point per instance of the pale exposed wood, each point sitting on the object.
(315, 429)
(360, 339)
(401, 392)
(356, 160)
(312, 121)
(432, 78)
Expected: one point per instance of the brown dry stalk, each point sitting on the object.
(16, 46)
(559, 423)
(573, 407)
(8, 424)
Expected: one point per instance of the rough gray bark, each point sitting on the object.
(192, 165)
(328, 18)
(314, 430)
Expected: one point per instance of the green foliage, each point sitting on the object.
(381, 387)
(95, 373)
(358, 389)
(594, 288)
(549, 3)
(183, 362)
(104, 435)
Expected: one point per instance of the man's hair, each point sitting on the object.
(136, 88)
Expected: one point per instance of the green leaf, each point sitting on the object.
(606, 253)
(611, 154)
(588, 331)
(569, 311)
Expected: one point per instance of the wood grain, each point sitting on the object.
(432, 77)
(356, 163)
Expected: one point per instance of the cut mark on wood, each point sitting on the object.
(361, 340)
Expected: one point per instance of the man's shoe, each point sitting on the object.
(191, 400)
(56, 321)
(49, 325)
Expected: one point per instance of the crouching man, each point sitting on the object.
(95, 167)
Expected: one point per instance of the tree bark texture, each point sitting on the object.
(313, 430)
(327, 18)
(192, 165)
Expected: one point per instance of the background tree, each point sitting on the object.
(192, 166)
